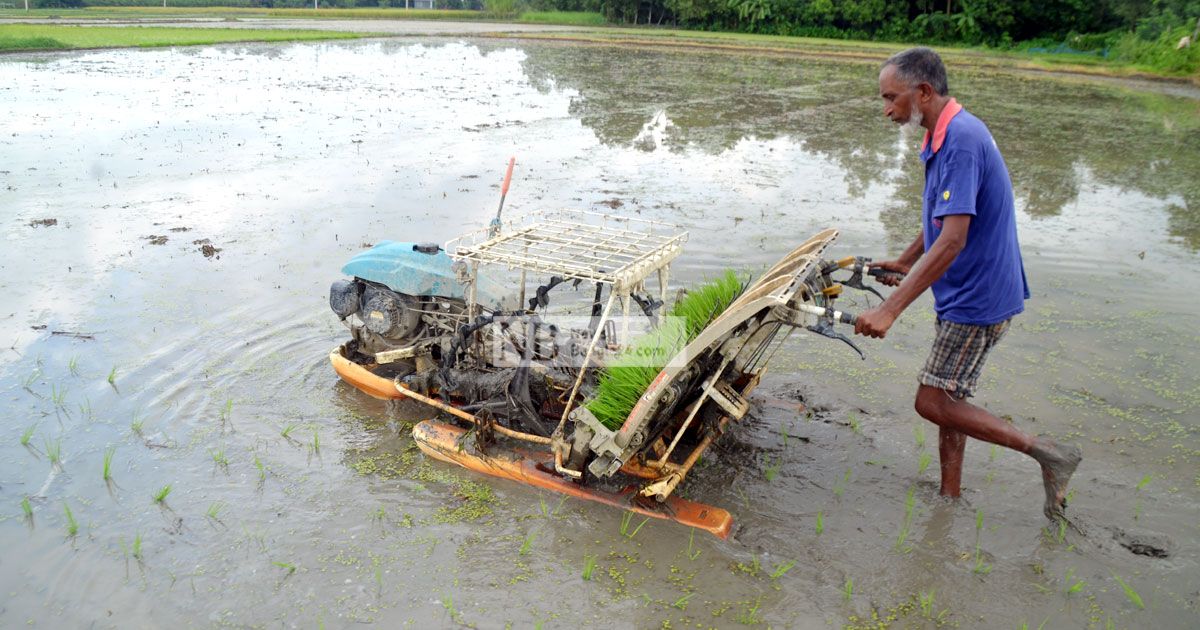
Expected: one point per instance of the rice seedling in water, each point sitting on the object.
(820, 522)
(681, 603)
(214, 510)
(1131, 594)
(262, 471)
(589, 565)
(112, 376)
(1070, 584)
(219, 457)
(773, 469)
(626, 520)
(227, 410)
(992, 454)
(161, 495)
(626, 377)
(848, 589)
(136, 423)
(73, 365)
(923, 462)
(926, 600)
(54, 452)
(919, 433)
(108, 455)
(287, 430)
(906, 523)
(85, 409)
(291, 568)
(692, 555)
(72, 526)
(58, 396)
(137, 546)
(526, 545)
(1137, 506)
(781, 569)
(28, 434)
(749, 616)
(27, 509)
(854, 425)
(316, 443)
(29, 380)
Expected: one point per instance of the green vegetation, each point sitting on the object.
(692, 555)
(820, 522)
(72, 525)
(214, 510)
(108, 455)
(781, 569)
(589, 565)
(526, 545)
(14, 37)
(848, 589)
(54, 452)
(906, 522)
(162, 493)
(1131, 594)
(573, 18)
(28, 434)
(27, 509)
(626, 378)
(627, 520)
(137, 545)
(112, 376)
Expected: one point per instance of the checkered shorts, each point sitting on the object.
(958, 354)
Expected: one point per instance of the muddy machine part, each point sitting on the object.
(427, 324)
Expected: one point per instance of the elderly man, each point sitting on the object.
(969, 255)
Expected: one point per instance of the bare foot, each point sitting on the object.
(1058, 462)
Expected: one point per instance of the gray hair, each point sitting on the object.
(920, 65)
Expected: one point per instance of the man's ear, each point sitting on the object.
(925, 91)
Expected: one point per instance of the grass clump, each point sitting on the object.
(627, 377)
(162, 493)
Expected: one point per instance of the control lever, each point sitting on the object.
(824, 325)
(860, 265)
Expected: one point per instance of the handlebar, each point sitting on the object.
(841, 316)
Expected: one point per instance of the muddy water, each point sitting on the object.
(296, 501)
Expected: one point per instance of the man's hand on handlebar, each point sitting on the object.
(874, 322)
(898, 269)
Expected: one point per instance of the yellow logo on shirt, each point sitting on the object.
(946, 196)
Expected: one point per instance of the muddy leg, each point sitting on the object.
(1058, 463)
(951, 447)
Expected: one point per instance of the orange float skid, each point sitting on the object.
(442, 441)
(362, 378)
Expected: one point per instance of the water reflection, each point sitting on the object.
(1057, 135)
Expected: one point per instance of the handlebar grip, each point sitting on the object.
(847, 318)
(508, 175)
(879, 273)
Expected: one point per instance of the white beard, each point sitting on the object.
(915, 118)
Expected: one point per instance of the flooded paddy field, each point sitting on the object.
(175, 446)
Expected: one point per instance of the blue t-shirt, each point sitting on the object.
(965, 174)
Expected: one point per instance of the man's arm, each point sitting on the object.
(877, 321)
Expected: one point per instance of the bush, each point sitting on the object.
(1159, 55)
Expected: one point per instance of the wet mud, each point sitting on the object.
(175, 444)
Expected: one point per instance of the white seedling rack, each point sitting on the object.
(577, 245)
